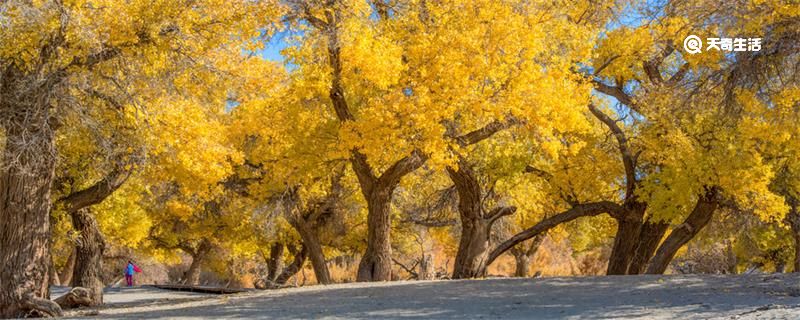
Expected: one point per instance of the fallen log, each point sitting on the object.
(200, 289)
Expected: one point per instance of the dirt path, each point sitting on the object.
(615, 297)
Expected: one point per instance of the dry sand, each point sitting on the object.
(613, 297)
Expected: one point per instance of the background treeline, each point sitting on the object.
(396, 140)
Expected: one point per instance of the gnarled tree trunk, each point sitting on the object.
(473, 249)
(376, 264)
(521, 265)
(314, 248)
(699, 217)
(199, 255)
(294, 267)
(476, 224)
(629, 226)
(89, 248)
(275, 264)
(649, 239)
(25, 181)
(523, 255)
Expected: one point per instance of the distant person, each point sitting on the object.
(130, 270)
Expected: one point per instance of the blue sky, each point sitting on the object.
(272, 50)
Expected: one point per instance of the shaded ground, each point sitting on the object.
(121, 297)
(614, 297)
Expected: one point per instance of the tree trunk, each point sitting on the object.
(54, 280)
(730, 257)
(89, 249)
(473, 249)
(476, 225)
(473, 244)
(523, 256)
(426, 267)
(293, 268)
(699, 217)
(649, 239)
(521, 263)
(66, 273)
(376, 264)
(25, 183)
(794, 222)
(629, 225)
(275, 265)
(780, 266)
(312, 245)
(624, 243)
(192, 275)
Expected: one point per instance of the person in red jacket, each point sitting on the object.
(130, 270)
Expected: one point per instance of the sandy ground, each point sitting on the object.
(614, 297)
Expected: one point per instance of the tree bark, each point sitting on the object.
(66, 273)
(54, 280)
(199, 255)
(793, 219)
(523, 255)
(521, 265)
(89, 249)
(25, 183)
(76, 297)
(649, 239)
(473, 249)
(294, 267)
(426, 267)
(629, 226)
(699, 217)
(473, 245)
(311, 243)
(376, 264)
(275, 265)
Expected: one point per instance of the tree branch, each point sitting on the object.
(485, 132)
(616, 92)
(538, 172)
(402, 167)
(410, 270)
(628, 159)
(651, 67)
(581, 210)
(499, 212)
(97, 192)
(678, 76)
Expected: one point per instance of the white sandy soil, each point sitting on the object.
(614, 297)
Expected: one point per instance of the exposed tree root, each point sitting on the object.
(39, 308)
(75, 298)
